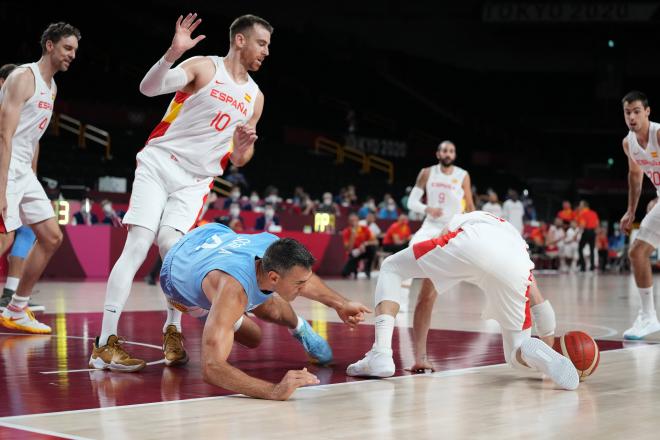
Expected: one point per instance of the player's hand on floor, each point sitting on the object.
(352, 313)
(291, 381)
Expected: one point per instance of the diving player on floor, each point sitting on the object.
(216, 274)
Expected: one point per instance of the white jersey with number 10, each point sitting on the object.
(197, 129)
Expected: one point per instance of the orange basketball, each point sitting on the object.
(581, 349)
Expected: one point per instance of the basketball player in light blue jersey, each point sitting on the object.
(217, 275)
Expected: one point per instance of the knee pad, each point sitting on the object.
(543, 318)
(23, 241)
(388, 287)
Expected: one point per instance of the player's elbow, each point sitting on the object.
(213, 372)
(147, 91)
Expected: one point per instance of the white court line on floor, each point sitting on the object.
(42, 431)
(438, 374)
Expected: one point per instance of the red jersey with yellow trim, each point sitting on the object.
(197, 128)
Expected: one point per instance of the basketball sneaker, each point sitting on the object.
(315, 346)
(6, 299)
(22, 319)
(112, 356)
(173, 347)
(644, 325)
(376, 363)
(560, 369)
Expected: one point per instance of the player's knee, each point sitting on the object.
(388, 265)
(638, 253)
(53, 239)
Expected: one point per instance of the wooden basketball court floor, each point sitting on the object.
(48, 392)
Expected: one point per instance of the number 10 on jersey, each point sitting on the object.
(221, 121)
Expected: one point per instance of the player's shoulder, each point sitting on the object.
(21, 82)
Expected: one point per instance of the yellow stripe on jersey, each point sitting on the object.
(248, 98)
(175, 108)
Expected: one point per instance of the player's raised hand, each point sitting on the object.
(627, 222)
(183, 40)
(291, 381)
(352, 313)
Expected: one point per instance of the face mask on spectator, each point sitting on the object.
(107, 209)
(327, 201)
(254, 198)
(235, 212)
(269, 213)
(271, 198)
(235, 195)
(391, 207)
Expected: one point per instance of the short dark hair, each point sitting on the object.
(284, 254)
(635, 95)
(6, 70)
(56, 31)
(446, 141)
(245, 23)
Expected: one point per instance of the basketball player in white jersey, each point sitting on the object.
(445, 186)
(483, 250)
(26, 106)
(210, 122)
(642, 147)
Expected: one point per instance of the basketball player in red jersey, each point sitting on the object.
(26, 106)
(211, 120)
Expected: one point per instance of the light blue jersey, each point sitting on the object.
(207, 248)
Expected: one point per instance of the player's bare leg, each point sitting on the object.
(17, 315)
(422, 324)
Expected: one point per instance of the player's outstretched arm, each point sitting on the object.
(228, 302)
(246, 135)
(161, 79)
(19, 87)
(415, 198)
(351, 312)
(635, 179)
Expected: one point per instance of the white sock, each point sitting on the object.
(384, 329)
(111, 314)
(17, 305)
(299, 326)
(646, 295)
(12, 283)
(173, 318)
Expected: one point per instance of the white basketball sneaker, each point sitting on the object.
(644, 325)
(376, 363)
(537, 354)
